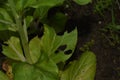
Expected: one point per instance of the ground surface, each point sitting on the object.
(89, 26)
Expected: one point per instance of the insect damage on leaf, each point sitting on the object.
(61, 48)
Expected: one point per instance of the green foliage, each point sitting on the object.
(38, 58)
(102, 5)
(82, 2)
(3, 76)
(43, 6)
(51, 65)
(34, 47)
(28, 20)
(42, 52)
(50, 3)
(13, 50)
(113, 29)
(82, 69)
(5, 20)
(59, 20)
(87, 46)
(50, 42)
(22, 4)
(24, 71)
(113, 37)
(6, 34)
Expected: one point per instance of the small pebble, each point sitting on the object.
(66, 6)
(99, 22)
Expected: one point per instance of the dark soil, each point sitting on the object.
(89, 26)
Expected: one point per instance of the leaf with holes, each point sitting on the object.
(51, 42)
(82, 69)
(13, 50)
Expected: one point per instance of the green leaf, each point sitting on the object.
(3, 76)
(49, 3)
(83, 69)
(116, 27)
(22, 4)
(3, 26)
(28, 20)
(34, 46)
(13, 50)
(24, 71)
(58, 21)
(82, 2)
(45, 60)
(43, 6)
(51, 66)
(51, 42)
(7, 26)
(4, 15)
(6, 22)
(41, 13)
(6, 34)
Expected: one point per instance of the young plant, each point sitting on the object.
(39, 58)
(102, 5)
(113, 29)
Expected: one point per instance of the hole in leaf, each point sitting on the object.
(60, 33)
(62, 48)
(5, 44)
(35, 29)
(40, 30)
(68, 52)
(57, 51)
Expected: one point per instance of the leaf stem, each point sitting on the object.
(22, 32)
